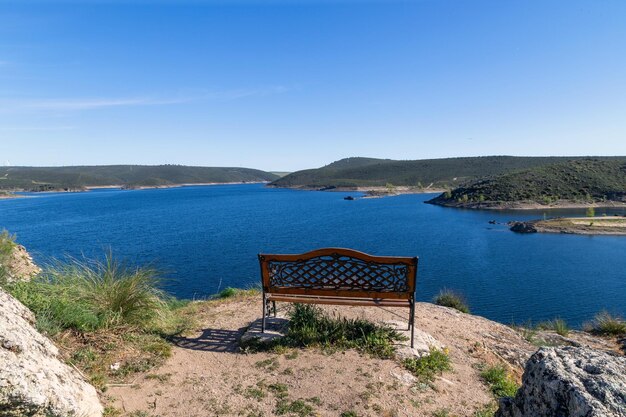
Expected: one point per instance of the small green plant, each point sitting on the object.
(254, 392)
(606, 324)
(349, 413)
(591, 212)
(298, 407)
(450, 298)
(279, 390)
(227, 292)
(442, 412)
(270, 364)
(500, 382)
(428, 366)
(486, 411)
(557, 325)
(230, 292)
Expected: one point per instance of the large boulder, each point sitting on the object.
(33, 381)
(570, 382)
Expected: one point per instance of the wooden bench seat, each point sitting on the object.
(339, 276)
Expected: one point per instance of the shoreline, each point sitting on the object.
(528, 206)
(590, 226)
(89, 188)
(369, 191)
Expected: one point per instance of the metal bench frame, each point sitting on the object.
(339, 276)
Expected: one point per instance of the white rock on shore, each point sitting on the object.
(33, 380)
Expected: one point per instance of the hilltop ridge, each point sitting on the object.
(76, 178)
(574, 183)
(351, 173)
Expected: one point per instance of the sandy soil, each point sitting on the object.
(207, 374)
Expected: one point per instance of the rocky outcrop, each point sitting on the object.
(523, 227)
(33, 380)
(572, 382)
(20, 266)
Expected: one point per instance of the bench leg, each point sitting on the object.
(274, 307)
(412, 322)
(264, 312)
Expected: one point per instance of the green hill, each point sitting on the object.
(581, 181)
(79, 177)
(436, 173)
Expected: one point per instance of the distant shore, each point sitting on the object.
(605, 225)
(10, 196)
(527, 205)
(370, 191)
(88, 188)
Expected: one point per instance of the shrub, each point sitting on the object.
(500, 382)
(557, 325)
(607, 324)
(89, 295)
(104, 313)
(297, 407)
(310, 326)
(449, 298)
(227, 292)
(428, 366)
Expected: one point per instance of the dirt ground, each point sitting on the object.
(207, 374)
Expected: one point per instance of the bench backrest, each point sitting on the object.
(339, 272)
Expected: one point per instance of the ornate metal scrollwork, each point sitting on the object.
(339, 272)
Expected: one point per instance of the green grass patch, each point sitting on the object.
(499, 381)
(452, 299)
(429, 366)
(606, 324)
(557, 325)
(298, 407)
(111, 319)
(486, 411)
(230, 292)
(309, 326)
(7, 245)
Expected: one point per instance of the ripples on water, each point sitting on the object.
(204, 236)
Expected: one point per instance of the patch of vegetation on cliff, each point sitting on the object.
(111, 319)
(576, 181)
(499, 381)
(452, 299)
(78, 177)
(436, 173)
(607, 324)
(7, 245)
(425, 368)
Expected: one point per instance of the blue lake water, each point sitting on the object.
(207, 238)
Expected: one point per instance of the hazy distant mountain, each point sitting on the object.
(78, 177)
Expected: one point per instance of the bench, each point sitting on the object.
(338, 276)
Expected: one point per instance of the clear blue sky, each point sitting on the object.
(286, 85)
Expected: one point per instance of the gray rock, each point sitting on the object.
(33, 381)
(570, 382)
